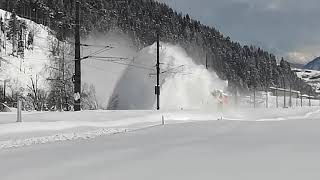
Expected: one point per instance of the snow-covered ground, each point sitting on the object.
(244, 148)
(48, 127)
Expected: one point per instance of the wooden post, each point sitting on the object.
(267, 100)
(19, 109)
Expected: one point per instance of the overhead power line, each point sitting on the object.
(126, 64)
(110, 57)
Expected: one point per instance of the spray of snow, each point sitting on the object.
(190, 85)
(184, 85)
(101, 73)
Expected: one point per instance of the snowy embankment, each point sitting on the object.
(48, 127)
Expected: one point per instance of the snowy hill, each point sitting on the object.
(314, 64)
(20, 70)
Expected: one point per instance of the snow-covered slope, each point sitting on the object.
(20, 71)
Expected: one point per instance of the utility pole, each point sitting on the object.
(310, 99)
(207, 61)
(236, 95)
(253, 82)
(267, 90)
(301, 98)
(63, 77)
(5, 40)
(284, 94)
(158, 69)
(0, 44)
(297, 100)
(267, 98)
(59, 77)
(4, 90)
(14, 48)
(77, 75)
(254, 97)
(290, 100)
(284, 99)
(277, 98)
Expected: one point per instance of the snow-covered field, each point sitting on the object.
(246, 144)
(48, 127)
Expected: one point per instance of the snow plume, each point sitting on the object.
(184, 85)
(190, 85)
(104, 72)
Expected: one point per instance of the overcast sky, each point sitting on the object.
(288, 28)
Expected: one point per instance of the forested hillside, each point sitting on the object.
(246, 67)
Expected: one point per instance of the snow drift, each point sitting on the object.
(184, 85)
